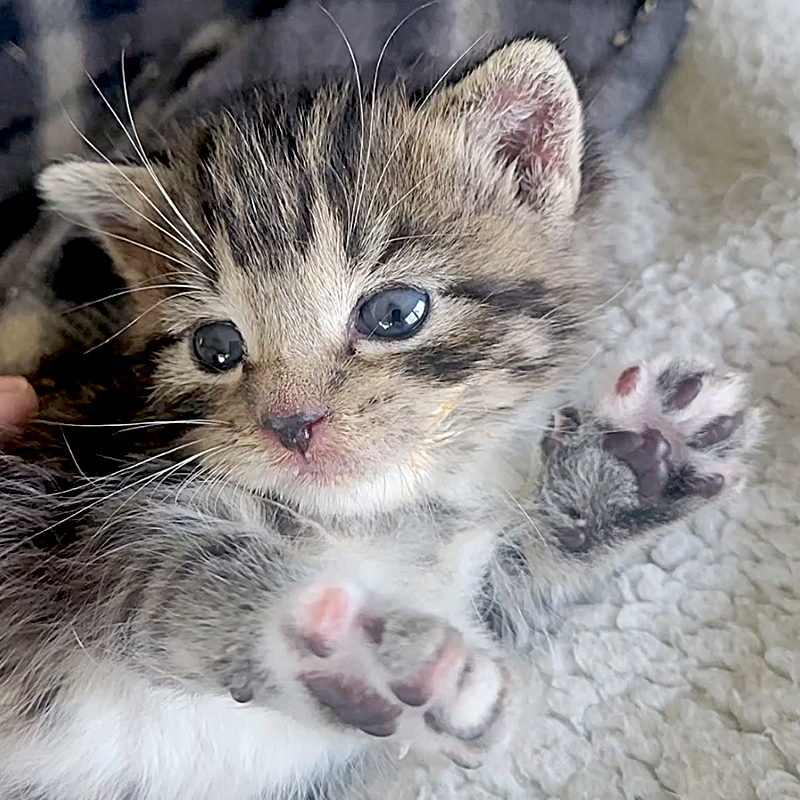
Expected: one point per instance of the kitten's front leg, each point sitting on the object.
(666, 439)
(250, 612)
(669, 437)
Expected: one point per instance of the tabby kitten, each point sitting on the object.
(355, 310)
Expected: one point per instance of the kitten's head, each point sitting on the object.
(368, 293)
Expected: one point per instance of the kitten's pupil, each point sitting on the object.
(218, 346)
(393, 313)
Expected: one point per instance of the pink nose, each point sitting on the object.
(293, 431)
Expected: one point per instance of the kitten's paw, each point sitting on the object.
(664, 439)
(391, 672)
(683, 429)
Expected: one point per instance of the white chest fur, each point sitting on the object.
(124, 739)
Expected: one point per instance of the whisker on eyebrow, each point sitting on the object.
(445, 235)
(134, 321)
(411, 191)
(123, 292)
(362, 184)
(152, 172)
(408, 127)
(180, 240)
(149, 249)
(180, 237)
(361, 165)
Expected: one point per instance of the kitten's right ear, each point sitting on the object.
(116, 204)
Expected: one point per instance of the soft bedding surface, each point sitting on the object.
(680, 677)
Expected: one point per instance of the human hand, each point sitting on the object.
(17, 402)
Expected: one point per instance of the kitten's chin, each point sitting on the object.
(339, 489)
(326, 491)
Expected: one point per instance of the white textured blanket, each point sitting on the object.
(681, 678)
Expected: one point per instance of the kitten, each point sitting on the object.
(323, 514)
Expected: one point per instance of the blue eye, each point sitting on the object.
(393, 313)
(218, 346)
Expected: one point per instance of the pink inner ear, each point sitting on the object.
(533, 128)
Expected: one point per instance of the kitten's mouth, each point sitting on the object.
(316, 456)
(321, 463)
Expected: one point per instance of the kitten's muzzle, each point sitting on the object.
(293, 431)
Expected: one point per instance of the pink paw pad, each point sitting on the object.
(681, 427)
(328, 619)
(627, 381)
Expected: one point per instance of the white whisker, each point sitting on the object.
(150, 169)
(363, 183)
(412, 190)
(75, 460)
(123, 292)
(407, 130)
(181, 239)
(134, 321)
(101, 232)
(143, 483)
(352, 221)
(136, 464)
(130, 425)
(528, 517)
(12, 548)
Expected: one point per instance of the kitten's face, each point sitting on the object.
(363, 308)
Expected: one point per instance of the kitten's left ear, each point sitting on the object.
(118, 205)
(522, 105)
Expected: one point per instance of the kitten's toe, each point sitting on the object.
(328, 632)
(647, 454)
(326, 615)
(462, 692)
(472, 715)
